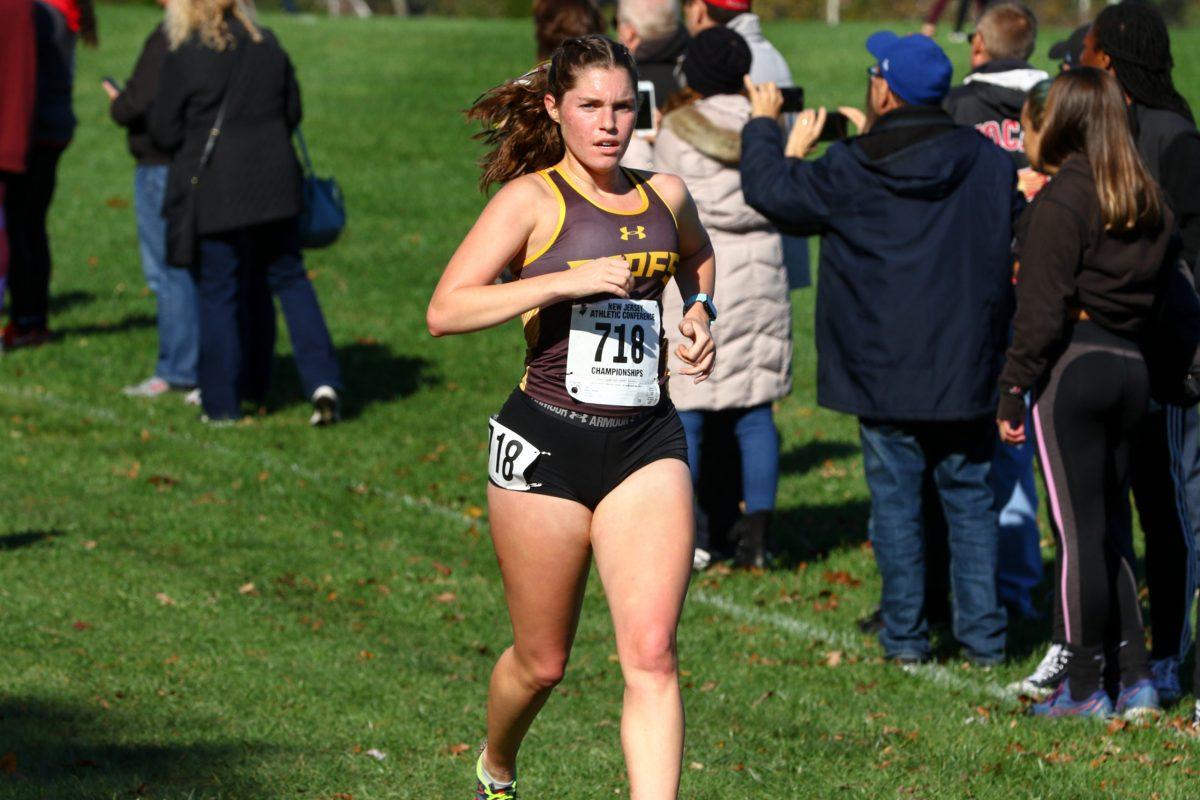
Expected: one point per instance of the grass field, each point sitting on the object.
(264, 611)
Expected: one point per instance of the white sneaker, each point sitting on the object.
(192, 398)
(1166, 679)
(153, 386)
(701, 559)
(325, 407)
(1048, 675)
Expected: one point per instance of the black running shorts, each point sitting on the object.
(545, 449)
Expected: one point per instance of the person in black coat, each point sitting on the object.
(247, 205)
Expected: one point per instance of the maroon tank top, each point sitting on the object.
(648, 238)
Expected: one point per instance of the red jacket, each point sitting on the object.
(18, 82)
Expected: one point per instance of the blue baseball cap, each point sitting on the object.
(914, 66)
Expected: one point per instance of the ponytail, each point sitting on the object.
(519, 133)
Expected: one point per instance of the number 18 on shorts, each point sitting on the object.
(510, 456)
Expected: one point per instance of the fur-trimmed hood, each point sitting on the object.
(712, 125)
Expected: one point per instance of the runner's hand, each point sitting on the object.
(598, 276)
(700, 356)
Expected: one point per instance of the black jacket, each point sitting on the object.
(130, 106)
(915, 291)
(658, 61)
(253, 176)
(1069, 263)
(1170, 146)
(991, 98)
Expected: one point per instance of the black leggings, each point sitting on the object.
(1085, 413)
(26, 206)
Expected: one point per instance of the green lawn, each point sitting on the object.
(247, 613)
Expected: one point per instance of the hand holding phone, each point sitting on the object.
(793, 99)
(644, 125)
(111, 87)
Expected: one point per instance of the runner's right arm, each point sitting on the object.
(468, 299)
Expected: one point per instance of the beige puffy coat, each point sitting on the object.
(701, 143)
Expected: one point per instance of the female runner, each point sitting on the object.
(587, 456)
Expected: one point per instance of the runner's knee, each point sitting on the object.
(649, 654)
(543, 670)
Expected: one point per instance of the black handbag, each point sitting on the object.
(1171, 344)
(323, 214)
(182, 236)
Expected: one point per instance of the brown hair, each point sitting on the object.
(1086, 114)
(555, 21)
(1009, 30)
(520, 133)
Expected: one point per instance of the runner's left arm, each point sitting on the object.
(696, 273)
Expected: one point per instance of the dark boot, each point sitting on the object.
(750, 533)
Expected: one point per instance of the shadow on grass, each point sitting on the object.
(15, 541)
(371, 372)
(130, 322)
(52, 750)
(807, 533)
(811, 455)
(62, 301)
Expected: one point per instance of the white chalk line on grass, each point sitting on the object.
(794, 626)
(807, 631)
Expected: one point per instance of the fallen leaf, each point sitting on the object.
(708, 686)
(164, 598)
(365, 655)
(163, 482)
(80, 625)
(474, 512)
(442, 569)
(841, 578)
(458, 749)
(145, 435)
(833, 658)
(116, 202)
(1117, 725)
(247, 588)
(696, 765)
(90, 544)
(8, 763)
(378, 755)
(446, 597)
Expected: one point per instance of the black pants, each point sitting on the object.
(1086, 413)
(26, 206)
(237, 273)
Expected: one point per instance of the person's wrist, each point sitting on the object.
(1011, 408)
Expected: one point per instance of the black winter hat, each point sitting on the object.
(716, 61)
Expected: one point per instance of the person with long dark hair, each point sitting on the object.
(1131, 42)
(1090, 257)
(587, 457)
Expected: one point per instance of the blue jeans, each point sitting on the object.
(758, 442)
(237, 273)
(1020, 542)
(957, 457)
(174, 288)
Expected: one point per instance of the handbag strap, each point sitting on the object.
(304, 158)
(215, 131)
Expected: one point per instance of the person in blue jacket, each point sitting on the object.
(914, 300)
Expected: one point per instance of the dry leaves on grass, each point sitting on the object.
(8, 763)
(164, 598)
(446, 598)
(456, 749)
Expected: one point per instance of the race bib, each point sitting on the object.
(510, 456)
(612, 355)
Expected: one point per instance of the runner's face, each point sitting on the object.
(596, 116)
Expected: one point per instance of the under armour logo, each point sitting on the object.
(639, 232)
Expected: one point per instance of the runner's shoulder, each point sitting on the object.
(670, 188)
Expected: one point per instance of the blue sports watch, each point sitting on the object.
(704, 298)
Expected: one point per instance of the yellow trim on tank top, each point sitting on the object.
(667, 205)
(637, 185)
(562, 217)
(531, 322)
